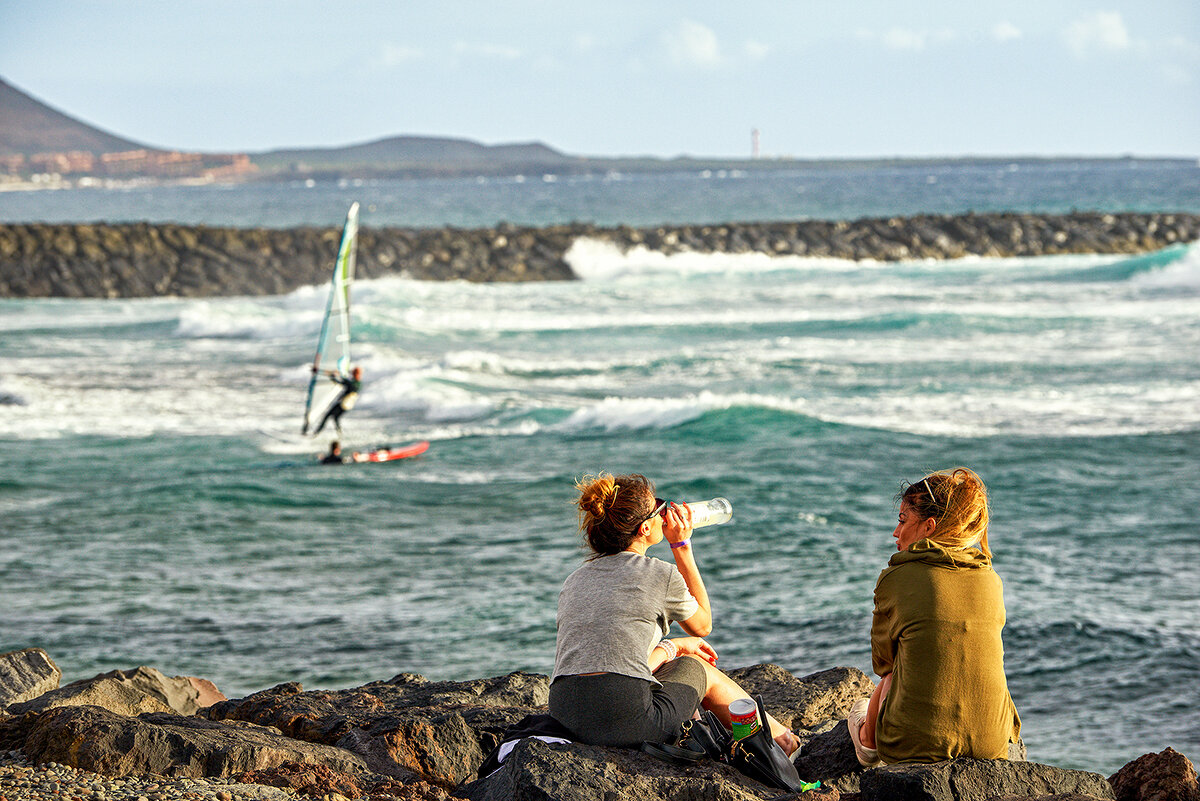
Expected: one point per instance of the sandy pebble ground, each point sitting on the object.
(22, 781)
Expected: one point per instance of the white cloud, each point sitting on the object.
(1184, 46)
(904, 39)
(907, 39)
(1176, 75)
(1103, 30)
(504, 52)
(395, 55)
(1006, 32)
(756, 51)
(691, 44)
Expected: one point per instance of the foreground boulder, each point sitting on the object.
(101, 741)
(321, 781)
(440, 732)
(408, 727)
(25, 675)
(977, 780)
(184, 695)
(828, 757)
(115, 696)
(1165, 776)
(537, 771)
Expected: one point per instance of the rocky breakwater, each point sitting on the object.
(149, 260)
(138, 734)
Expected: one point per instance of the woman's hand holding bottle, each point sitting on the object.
(677, 523)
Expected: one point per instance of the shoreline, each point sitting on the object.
(136, 260)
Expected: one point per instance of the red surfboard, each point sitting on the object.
(389, 453)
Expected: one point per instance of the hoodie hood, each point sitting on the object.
(931, 553)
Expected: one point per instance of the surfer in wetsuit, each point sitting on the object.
(335, 454)
(344, 402)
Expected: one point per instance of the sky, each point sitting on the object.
(815, 78)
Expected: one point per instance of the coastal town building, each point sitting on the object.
(142, 163)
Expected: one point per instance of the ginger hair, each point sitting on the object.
(957, 500)
(612, 509)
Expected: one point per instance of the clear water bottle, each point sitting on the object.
(710, 513)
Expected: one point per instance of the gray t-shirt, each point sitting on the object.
(612, 611)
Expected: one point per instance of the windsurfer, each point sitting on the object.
(344, 402)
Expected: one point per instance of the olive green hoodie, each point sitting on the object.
(936, 629)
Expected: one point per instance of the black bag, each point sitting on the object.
(703, 738)
(757, 756)
(760, 757)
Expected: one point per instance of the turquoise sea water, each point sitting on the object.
(159, 509)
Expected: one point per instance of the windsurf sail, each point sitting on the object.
(333, 346)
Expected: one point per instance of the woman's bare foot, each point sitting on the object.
(789, 742)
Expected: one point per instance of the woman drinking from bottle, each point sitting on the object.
(617, 681)
(935, 638)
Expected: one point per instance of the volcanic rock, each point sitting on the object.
(976, 780)
(321, 781)
(26, 674)
(184, 695)
(101, 741)
(1165, 776)
(406, 727)
(115, 695)
(538, 771)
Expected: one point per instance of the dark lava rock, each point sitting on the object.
(91, 738)
(1165, 776)
(977, 780)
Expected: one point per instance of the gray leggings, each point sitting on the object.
(615, 710)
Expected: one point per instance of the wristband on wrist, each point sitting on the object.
(681, 543)
(671, 648)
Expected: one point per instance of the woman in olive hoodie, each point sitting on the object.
(935, 637)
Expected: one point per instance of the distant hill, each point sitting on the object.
(409, 151)
(414, 155)
(28, 127)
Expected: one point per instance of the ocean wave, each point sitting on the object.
(601, 260)
(614, 415)
(1180, 271)
(598, 260)
(1146, 269)
(242, 319)
(1114, 410)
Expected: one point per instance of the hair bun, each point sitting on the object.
(597, 494)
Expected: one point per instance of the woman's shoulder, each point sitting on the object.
(649, 564)
(623, 561)
(647, 568)
(968, 562)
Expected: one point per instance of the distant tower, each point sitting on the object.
(753, 143)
